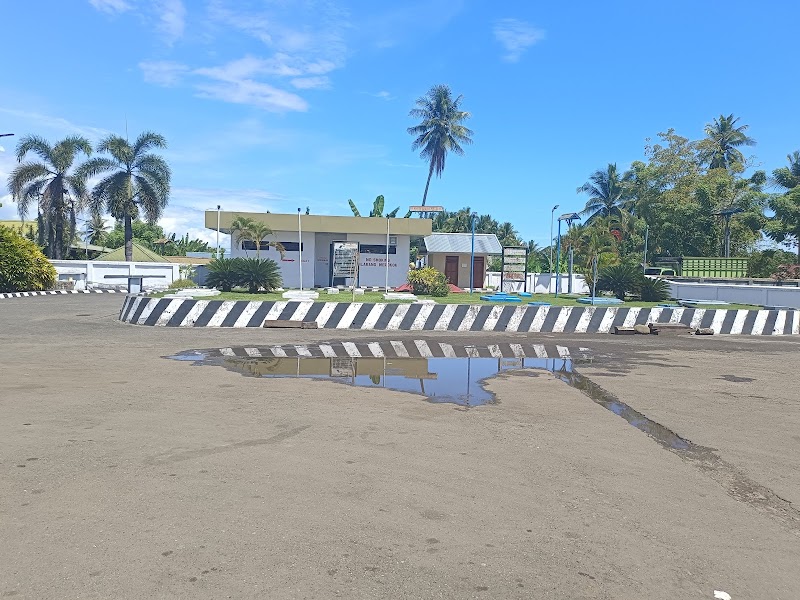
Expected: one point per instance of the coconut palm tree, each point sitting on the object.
(135, 181)
(96, 228)
(507, 234)
(606, 190)
(784, 226)
(441, 129)
(788, 177)
(720, 148)
(58, 190)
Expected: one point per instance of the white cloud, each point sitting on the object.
(311, 83)
(516, 37)
(383, 95)
(172, 18)
(164, 72)
(49, 125)
(253, 93)
(110, 6)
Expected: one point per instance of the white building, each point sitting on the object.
(318, 235)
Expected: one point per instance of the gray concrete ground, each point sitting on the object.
(125, 475)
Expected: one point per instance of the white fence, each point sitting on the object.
(89, 274)
(540, 283)
(759, 295)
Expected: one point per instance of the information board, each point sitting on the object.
(345, 259)
(514, 271)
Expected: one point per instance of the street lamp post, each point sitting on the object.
(388, 219)
(218, 215)
(569, 218)
(644, 258)
(300, 246)
(472, 218)
(552, 212)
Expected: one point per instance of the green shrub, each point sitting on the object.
(23, 266)
(180, 284)
(222, 274)
(428, 282)
(654, 290)
(256, 273)
(620, 279)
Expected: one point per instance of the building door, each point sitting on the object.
(478, 272)
(451, 269)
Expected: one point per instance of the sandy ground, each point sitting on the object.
(125, 475)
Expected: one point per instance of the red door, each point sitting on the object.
(451, 269)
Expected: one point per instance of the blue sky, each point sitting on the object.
(275, 105)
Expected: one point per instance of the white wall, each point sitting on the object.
(372, 267)
(760, 295)
(541, 283)
(115, 273)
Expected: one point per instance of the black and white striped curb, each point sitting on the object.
(58, 293)
(179, 312)
(393, 349)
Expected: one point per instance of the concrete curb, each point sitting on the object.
(179, 312)
(58, 293)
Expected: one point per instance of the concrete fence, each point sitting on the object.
(88, 274)
(540, 283)
(759, 295)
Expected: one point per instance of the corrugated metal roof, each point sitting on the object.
(461, 243)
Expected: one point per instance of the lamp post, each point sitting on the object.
(219, 208)
(388, 219)
(726, 214)
(569, 218)
(472, 218)
(644, 258)
(552, 212)
(300, 246)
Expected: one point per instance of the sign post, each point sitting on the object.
(515, 266)
(345, 261)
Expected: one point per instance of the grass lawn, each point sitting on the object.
(344, 296)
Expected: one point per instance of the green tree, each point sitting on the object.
(720, 148)
(440, 130)
(96, 229)
(55, 184)
(23, 266)
(136, 181)
(784, 226)
(507, 235)
(377, 209)
(250, 230)
(145, 234)
(606, 190)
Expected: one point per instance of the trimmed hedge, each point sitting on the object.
(23, 266)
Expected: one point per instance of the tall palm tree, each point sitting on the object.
(136, 181)
(719, 149)
(440, 130)
(507, 234)
(788, 177)
(606, 190)
(784, 226)
(96, 228)
(52, 183)
(250, 230)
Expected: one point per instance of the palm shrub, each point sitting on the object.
(222, 274)
(620, 279)
(23, 266)
(255, 273)
(427, 281)
(654, 290)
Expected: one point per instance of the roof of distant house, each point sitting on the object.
(461, 243)
(140, 254)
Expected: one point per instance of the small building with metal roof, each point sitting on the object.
(451, 253)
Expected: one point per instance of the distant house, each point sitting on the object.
(451, 253)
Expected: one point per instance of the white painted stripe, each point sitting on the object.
(518, 350)
(495, 351)
(301, 311)
(563, 351)
(351, 349)
(227, 352)
(677, 315)
(472, 351)
(349, 315)
(132, 311)
(738, 321)
(422, 317)
(796, 322)
(516, 318)
(172, 307)
(538, 320)
(148, 308)
(278, 351)
(493, 318)
(448, 351)
(780, 323)
(325, 314)
(447, 315)
(469, 318)
(327, 350)
(561, 320)
(716, 322)
(422, 346)
(194, 313)
(247, 314)
(586, 317)
(221, 313)
(373, 316)
(397, 317)
(400, 349)
(758, 325)
(254, 352)
(275, 311)
(376, 349)
(607, 320)
(540, 351)
(302, 350)
(630, 318)
(655, 315)
(697, 318)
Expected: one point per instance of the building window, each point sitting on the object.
(287, 246)
(376, 249)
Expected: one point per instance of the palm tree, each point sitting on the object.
(788, 177)
(51, 182)
(606, 191)
(507, 234)
(139, 181)
(719, 149)
(784, 226)
(440, 130)
(96, 228)
(250, 230)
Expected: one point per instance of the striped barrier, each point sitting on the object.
(179, 312)
(58, 293)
